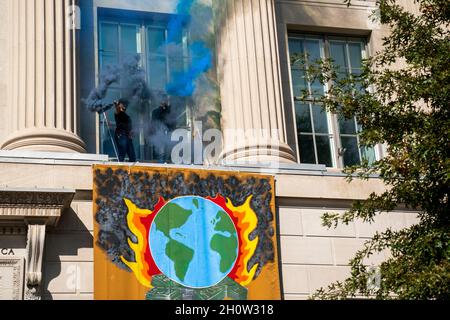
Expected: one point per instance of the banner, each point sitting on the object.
(177, 234)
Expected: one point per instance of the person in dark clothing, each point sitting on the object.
(124, 134)
(163, 124)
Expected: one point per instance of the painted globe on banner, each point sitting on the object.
(194, 242)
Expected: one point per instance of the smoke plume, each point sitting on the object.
(129, 76)
(183, 83)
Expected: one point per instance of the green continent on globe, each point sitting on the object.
(195, 202)
(223, 245)
(224, 223)
(176, 218)
(180, 254)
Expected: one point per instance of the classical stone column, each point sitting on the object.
(44, 102)
(253, 117)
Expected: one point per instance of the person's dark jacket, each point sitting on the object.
(163, 119)
(123, 124)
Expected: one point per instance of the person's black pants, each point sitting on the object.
(125, 147)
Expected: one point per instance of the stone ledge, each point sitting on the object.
(50, 157)
(87, 160)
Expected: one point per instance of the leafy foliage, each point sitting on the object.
(401, 99)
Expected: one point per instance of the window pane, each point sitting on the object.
(368, 154)
(359, 86)
(175, 36)
(177, 64)
(312, 49)
(157, 73)
(342, 75)
(359, 127)
(324, 150)
(295, 46)
(156, 39)
(307, 149)
(179, 108)
(128, 39)
(320, 119)
(347, 126)
(109, 37)
(303, 117)
(298, 82)
(355, 50)
(107, 128)
(106, 141)
(317, 89)
(108, 59)
(337, 52)
(351, 154)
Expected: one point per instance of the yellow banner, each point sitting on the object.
(177, 234)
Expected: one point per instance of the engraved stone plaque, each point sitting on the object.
(11, 278)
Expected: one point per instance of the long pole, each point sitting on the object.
(110, 136)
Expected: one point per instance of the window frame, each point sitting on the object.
(142, 25)
(335, 134)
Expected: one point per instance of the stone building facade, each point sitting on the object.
(49, 143)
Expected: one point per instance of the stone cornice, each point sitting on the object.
(42, 204)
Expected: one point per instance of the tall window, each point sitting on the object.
(324, 138)
(313, 124)
(121, 38)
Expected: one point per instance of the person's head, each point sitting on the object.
(122, 105)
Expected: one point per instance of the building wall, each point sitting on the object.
(69, 255)
(311, 255)
(314, 257)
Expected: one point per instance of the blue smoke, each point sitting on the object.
(183, 84)
(179, 21)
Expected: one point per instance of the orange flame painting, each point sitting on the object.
(139, 221)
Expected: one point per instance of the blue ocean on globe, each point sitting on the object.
(193, 242)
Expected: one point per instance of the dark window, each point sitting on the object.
(121, 38)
